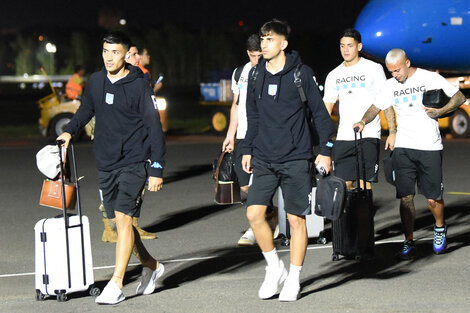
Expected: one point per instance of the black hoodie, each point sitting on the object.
(128, 128)
(277, 126)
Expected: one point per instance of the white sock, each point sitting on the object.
(294, 273)
(271, 258)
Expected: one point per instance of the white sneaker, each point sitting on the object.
(248, 238)
(111, 294)
(274, 277)
(149, 279)
(290, 291)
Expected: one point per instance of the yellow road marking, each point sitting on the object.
(459, 193)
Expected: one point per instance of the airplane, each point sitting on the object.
(433, 33)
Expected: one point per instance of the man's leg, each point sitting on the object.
(275, 271)
(124, 246)
(407, 215)
(440, 228)
(298, 248)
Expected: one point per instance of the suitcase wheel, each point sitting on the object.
(94, 291)
(335, 257)
(39, 295)
(321, 241)
(285, 241)
(62, 297)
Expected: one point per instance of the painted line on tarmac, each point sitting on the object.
(459, 193)
(209, 257)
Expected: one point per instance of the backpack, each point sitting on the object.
(308, 114)
(236, 76)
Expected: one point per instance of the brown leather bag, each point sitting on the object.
(51, 194)
(226, 192)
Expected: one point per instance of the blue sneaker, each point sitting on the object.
(439, 244)
(408, 251)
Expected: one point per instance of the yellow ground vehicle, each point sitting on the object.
(57, 111)
(218, 97)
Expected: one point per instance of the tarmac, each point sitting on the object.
(197, 241)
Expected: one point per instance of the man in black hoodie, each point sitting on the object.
(129, 147)
(278, 151)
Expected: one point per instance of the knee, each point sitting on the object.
(254, 214)
(297, 222)
(434, 203)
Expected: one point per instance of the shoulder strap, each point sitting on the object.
(238, 73)
(298, 83)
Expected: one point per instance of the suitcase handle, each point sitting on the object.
(363, 162)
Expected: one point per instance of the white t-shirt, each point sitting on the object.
(241, 89)
(356, 87)
(415, 129)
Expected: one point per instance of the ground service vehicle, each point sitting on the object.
(218, 97)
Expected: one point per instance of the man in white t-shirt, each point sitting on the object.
(238, 122)
(355, 83)
(417, 156)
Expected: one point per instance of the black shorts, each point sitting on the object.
(243, 177)
(344, 159)
(417, 166)
(121, 189)
(295, 179)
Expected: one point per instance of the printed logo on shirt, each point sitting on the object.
(109, 98)
(408, 95)
(272, 90)
(156, 165)
(154, 99)
(351, 82)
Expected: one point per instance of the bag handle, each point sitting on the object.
(216, 174)
(363, 162)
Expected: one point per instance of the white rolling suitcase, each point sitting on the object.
(63, 260)
(315, 223)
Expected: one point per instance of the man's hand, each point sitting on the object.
(155, 183)
(228, 145)
(432, 112)
(246, 163)
(66, 138)
(359, 125)
(390, 143)
(325, 160)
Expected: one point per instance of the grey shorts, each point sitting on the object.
(423, 168)
(295, 179)
(121, 188)
(344, 159)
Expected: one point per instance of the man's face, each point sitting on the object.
(145, 58)
(349, 48)
(134, 56)
(254, 57)
(400, 70)
(272, 44)
(113, 57)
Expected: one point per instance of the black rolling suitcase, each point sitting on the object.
(353, 232)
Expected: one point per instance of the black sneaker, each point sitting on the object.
(408, 252)
(440, 241)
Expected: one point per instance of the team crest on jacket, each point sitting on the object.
(154, 99)
(109, 98)
(272, 90)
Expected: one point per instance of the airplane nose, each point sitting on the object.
(381, 24)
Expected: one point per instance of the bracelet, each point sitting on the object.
(363, 123)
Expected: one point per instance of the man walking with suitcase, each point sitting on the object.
(278, 152)
(129, 147)
(417, 156)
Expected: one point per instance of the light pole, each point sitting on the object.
(51, 49)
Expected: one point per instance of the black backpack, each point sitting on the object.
(236, 76)
(308, 114)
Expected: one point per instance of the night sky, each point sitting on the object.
(330, 15)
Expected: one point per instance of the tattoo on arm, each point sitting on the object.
(457, 100)
(370, 114)
(391, 120)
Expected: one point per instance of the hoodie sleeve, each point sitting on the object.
(252, 116)
(85, 111)
(151, 118)
(323, 123)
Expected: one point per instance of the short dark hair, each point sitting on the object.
(141, 50)
(351, 32)
(275, 26)
(118, 38)
(253, 43)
